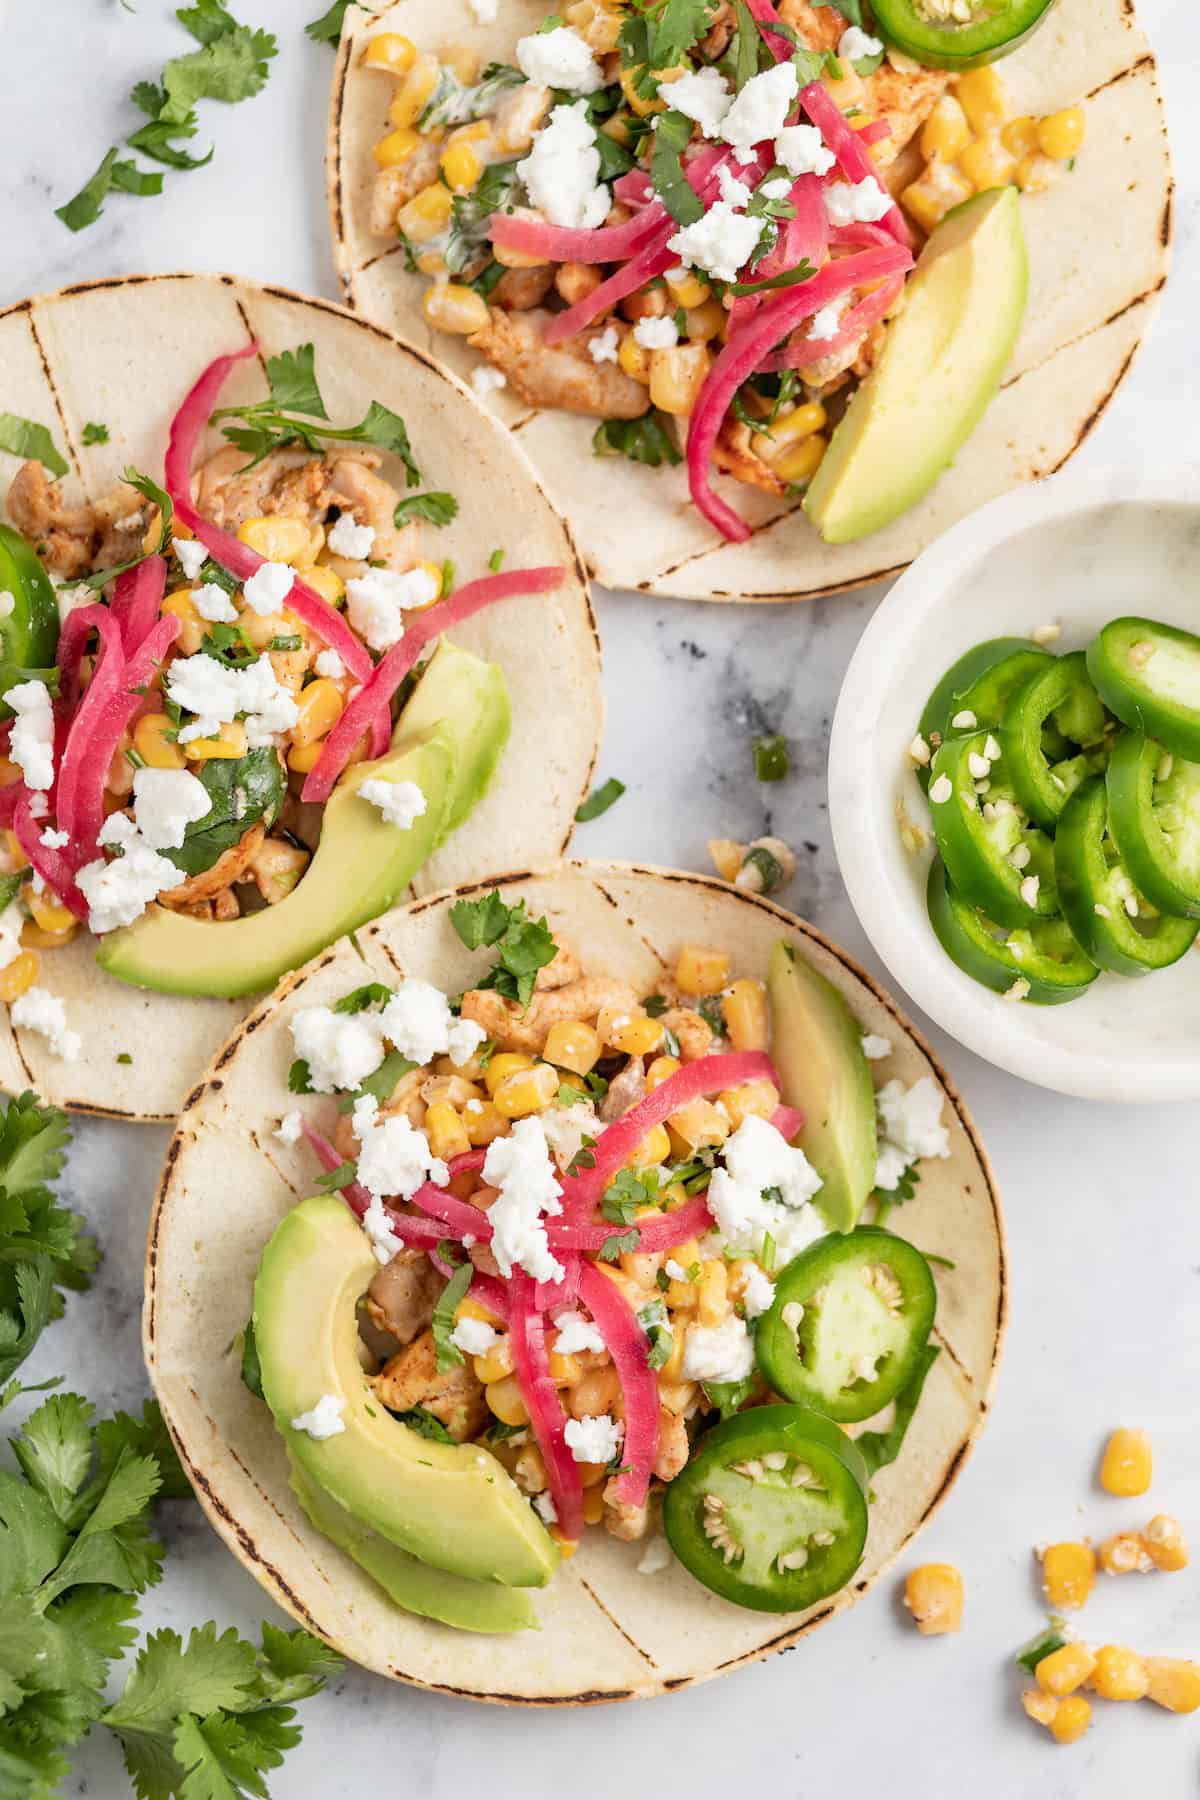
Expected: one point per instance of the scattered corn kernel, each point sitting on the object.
(712, 1287)
(280, 538)
(1068, 1573)
(945, 131)
(984, 98)
(1119, 1674)
(750, 1100)
(18, 976)
(396, 147)
(462, 167)
(1174, 1683)
(451, 307)
(934, 194)
(697, 1126)
(1165, 1544)
(526, 1091)
(699, 971)
(744, 1010)
(49, 912)
(483, 1122)
(326, 582)
(392, 51)
(1039, 1706)
(1128, 1463)
(318, 710)
(1124, 1554)
(686, 288)
(446, 1132)
(502, 1066)
(801, 462)
(152, 744)
(415, 91)
(504, 1398)
(572, 1044)
(496, 1362)
(636, 1034)
(1020, 135)
(427, 214)
(655, 1147)
(986, 163)
(676, 377)
(231, 742)
(1034, 173)
(192, 627)
(1065, 1669)
(933, 1595)
(634, 358)
(1071, 1720)
(660, 1070)
(1060, 135)
(305, 757)
(727, 856)
(464, 61)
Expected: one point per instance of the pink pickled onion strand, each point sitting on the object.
(137, 598)
(51, 865)
(531, 1365)
(463, 1219)
(390, 672)
(354, 1194)
(744, 354)
(8, 801)
(628, 1346)
(788, 1122)
(859, 319)
(555, 243)
(862, 235)
(664, 1232)
(634, 188)
(654, 260)
(874, 133)
(841, 137)
(616, 1144)
(470, 1159)
(550, 1295)
(99, 745)
(77, 627)
(804, 238)
(771, 25)
(104, 686)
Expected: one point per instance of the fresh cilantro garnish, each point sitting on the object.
(524, 945)
(373, 993)
(437, 509)
(770, 757)
(85, 207)
(669, 29)
(618, 1245)
(695, 1175)
(583, 1158)
(851, 10)
(299, 1077)
(496, 561)
(646, 440)
(497, 1431)
(904, 1189)
(654, 1322)
(671, 139)
(1044, 1644)
(748, 51)
(229, 645)
(468, 250)
(328, 28)
(709, 1008)
(94, 433)
(31, 441)
(663, 1280)
(382, 1084)
(43, 1246)
(882, 1447)
(292, 642)
(628, 1192)
(158, 497)
(333, 1180)
(803, 271)
(250, 1368)
(654, 1006)
(271, 424)
(670, 1042)
(455, 1290)
(599, 800)
(242, 791)
(767, 1255)
(425, 1425)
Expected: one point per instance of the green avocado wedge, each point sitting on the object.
(941, 363)
(817, 1046)
(448, 740)
(452, 1506)
(412, 1585)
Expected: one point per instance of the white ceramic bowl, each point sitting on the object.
(1076, 551)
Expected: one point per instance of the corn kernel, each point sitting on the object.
(686, 288)
(427, 214)
(496, 1362)
(634, 358)
(526, 1091)
(676, 377)
(279, 538)
(502, 1066)
(945, 131)
(750, 1100)
(304, 757)
(1034, 173)
(395, 148)
(933, 1595)
(801, 422)
(1060, 135)
(16, 853)
(565, 1371)
(450, 307)
(660, 1070)
(446, 1132)
(1128, 1463)
(326, 582)
(669, 1376)
(262, 628)
(570, 1044)
(1068, 1573)
(744, 1010)
(152, 744)
(1162, 1540)
(697, 1126)
(1065, 1669)
(1071, 1719)
(593, 1505)
(636, 1035)
(703, 323)
(18, 976)
(475, 1309)
(463, 61)
(1040, 1707)
(987, 164)
(1119, 1674)
(984, 98)
(415, 91)
(1124, 1554)
(318, 710)
(231, 742)
(699, 971)
(726, 856)
(390, 51)
(48, 911)
(846, 88)
(712, 1287)
(931, 197)
(192, 627)
(504, 1398)
(1020, 135)
(1174, 1683)
(654, 1148)
(462, 167)
(800, 464)
(599, 25)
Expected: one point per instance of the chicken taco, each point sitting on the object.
(764, 268)
(280, 613)
(616, 1285)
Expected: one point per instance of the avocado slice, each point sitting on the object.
(817, 1046)
(451, 1506)
(942, 360)
(448, 740)
(414, 1586)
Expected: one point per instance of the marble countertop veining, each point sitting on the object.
(1104, 1232)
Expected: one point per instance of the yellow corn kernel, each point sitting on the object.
(598, 24)
(463, 61)
(933, 1595)
(1065, 1669)
(415, 91)
(16, 854)
(671, 1373)
(636, 1035)
(984, 98)
(18, 976)
(1034, 173)
(846, 88)
(676, 377)
(565, 1371)
(1162, 1540)
(446, 1132)
(593, 1505)
(703, 323)
(260, 628)
(660, 1070)
(712, 1289)
(427, 214)
(152, 744)
(521, 116)
(450, 307)
(192, 627)
(931, 197)
(697, 1126)
(504, 1398)
(699, 971)
(391, 51)
(570, 1044)
(642, 104)
(1020, 135)
(1124, 1554)
(1040, 1707)
(788, 430)
(496, 1363)
(396, 147)
(751, 1100)
(945, 131)
(634, 358)
(744, 1010)
(526, 1091)
(986, 163)
(1174, 1683)
(1071, 1719)
(326, 582)
(686, 288)
(318, 710)
(230, 743)
(801, 464)
(462, 167)
(1128, 1463)
(279, 538)
(34, 938)
(475, 1309)
(1068, 1573)
(726, 854)
(1060, 135)
(502, 1066)
(1119, 1674)
(47, 911)
(305, 757)
(654, 1148)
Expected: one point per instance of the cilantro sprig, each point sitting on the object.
(272, 424)
(523, 945)
(44, 1249)
(27, 439)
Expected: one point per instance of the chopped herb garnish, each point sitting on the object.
(496, 561)
(436, 509)
(654, 1006)
(709, 1008)
(123, 1056)
(767, 1256)
(583, 1158)
(94, 433)
(300, 1077)
(770, 757)
(667, 172)
(654, 1322)
(616, 1246)
(382, 1084)
(449, 1354)
(251, 1368)
(328, 28)
(43, 1247)
(628, 1193)
(424, 1424)
(599, 800)
(373, 993)
(271, 424)
(1044, 1644)
(524, 945)
(803, 271)
(882, 1447)
(646, 440)
(27, 439)
(158, 497)
(335, 1179)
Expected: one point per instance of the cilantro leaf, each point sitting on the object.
(656, 1324)
(242, 791)
(803, 271)
(328, 28)
(599, 800)
(646, 440)
(425, 1425)
(270, 424)
(299, 1077)
(230, 67)
(437, 509)
(524, 945)
(673, 27)
(159, 140)
(628, 1193)
(382, 1083)
(749, 48)
(449, 1354)
(158, 497)
(373, 993)
(333, 1180)
(293, 379)
(671, 139)
(27, 439)
(43, 1247)
(94, 433)
(851, 10)
(882, 1447)
(618, 1245)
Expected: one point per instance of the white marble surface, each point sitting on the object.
(1105, 1236)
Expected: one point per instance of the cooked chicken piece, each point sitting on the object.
(229, 492)
(454, 1396)
(65, 536)
(629, 1523)
(124, 520)
(226, 906)
(403, 1294)
(558, 973)
(694, 1034)
(520, 290)
(529, 1470)
(228, 868)
(395, 187)
(276, 868)
(732, 453)
(624, 1091)
(514, 1029)
(672, 1445)
(355, 487)
(720, 32)
(558, 375)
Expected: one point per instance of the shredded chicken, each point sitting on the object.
(403, 1294)
(355, 487)
(624, 1090)
(231, 866)
(673, 1449)
(694, 1034)
(732, 452)
(629, 1523)
(560, 375)
(395, 187)
(453, 1395)
(66, 536)
(276, 867)
(514, 1029)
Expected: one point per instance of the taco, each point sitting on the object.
(588, 1342)
(609, 226)
(281, 612)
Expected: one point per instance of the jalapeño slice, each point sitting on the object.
(980, 682)
(1154, 817)
(1054, 704)
(851, 1315)
(980, 835)
(1149, 675)
(29, 632)
(1044, 954)
(771, 1510)
(992, 29)
(1114, 923)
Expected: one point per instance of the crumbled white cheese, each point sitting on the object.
(702, 95)
(341, 1049)
(576, 1333)
(779, 189)
(855, 202)
(562, 171)
(266, 590)
(118, 892)
(31, 745)
(803, 151)
(758, 1291)
(655, 1557)
(213, 604)
(720, 243)
(485, 380)
(54, 839)
(875, 1048)
(463, 1040)
(567, 1126)
(12, 923)
(722, 1352)
(346, 537)
(910, 1127)
(191, 555)
(400, 803)
(760, 110)
(474, 1337)
(757, 1158)
(377, 1224)
(165, 803)
(330, 665)
(824, 324)
(377, 600)
(290, 1128)
(656, 334)
(520, 1167)
(325, 1420)
(544, 1507)
(418, 1020)
(595, 1438)
(559, 59)
(393, 1156)
(675, 1270)
(216, 694)
(855, 45)
(604, 346)
(39, 1010)
(735, 193)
